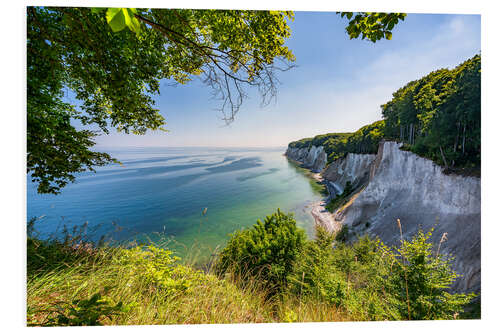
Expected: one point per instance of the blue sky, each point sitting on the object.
(338, 86)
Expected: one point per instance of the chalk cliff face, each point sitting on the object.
(297, 154)
(354, 168)
(313, 158)
(415, 190)
(395, 184)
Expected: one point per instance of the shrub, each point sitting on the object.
(266, 252)
(374, 282)
(314, 274)
(342, 234)
(158, 268)
(84, 312)
(420, 280)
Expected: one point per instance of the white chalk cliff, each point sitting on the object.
(354, 168)
(396, 184)
(313, 158)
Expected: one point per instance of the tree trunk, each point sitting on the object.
(444, 158)
(410, 135)
(456, 139)
(463, 141)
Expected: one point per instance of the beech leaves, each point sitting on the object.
(119, 18)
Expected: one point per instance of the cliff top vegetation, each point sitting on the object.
(337, 145)
(437, 116)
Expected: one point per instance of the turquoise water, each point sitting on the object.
(164, 191)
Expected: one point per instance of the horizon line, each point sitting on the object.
(251, 147)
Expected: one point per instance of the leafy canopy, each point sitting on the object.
(372, 26)
(115, 73)
(439, 115)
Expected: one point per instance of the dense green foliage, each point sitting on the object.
(115, 74)
(338, 145)
(268, 273)
(266, 251)
(370, 280)
(426, 275)
(313, 276)
(367, 278)
(372, 26)
(439, 115)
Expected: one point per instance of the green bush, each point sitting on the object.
(421, 279)
(85, 312)
(157, 267)
(374, 282)
(266, 252)
(315, 275)
(342, 234)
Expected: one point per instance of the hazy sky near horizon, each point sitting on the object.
(338, 86)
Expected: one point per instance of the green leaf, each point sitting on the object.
(119, 18)
(134, 24)
(127, 16)
(116, 18)
(97, 10)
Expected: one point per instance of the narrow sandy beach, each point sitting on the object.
(322, 216)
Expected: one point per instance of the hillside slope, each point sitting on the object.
(396, 184)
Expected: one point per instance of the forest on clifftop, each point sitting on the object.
(437, 116)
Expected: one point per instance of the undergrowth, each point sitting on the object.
(269, 273)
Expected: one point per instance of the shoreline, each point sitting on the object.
(321, 215)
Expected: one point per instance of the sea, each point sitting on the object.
(187, 199)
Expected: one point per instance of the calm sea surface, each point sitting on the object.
(162, 192)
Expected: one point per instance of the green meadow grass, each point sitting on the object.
(268, 273)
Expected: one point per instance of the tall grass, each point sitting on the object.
(72, 282)
(206, 300)
(198, 297)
